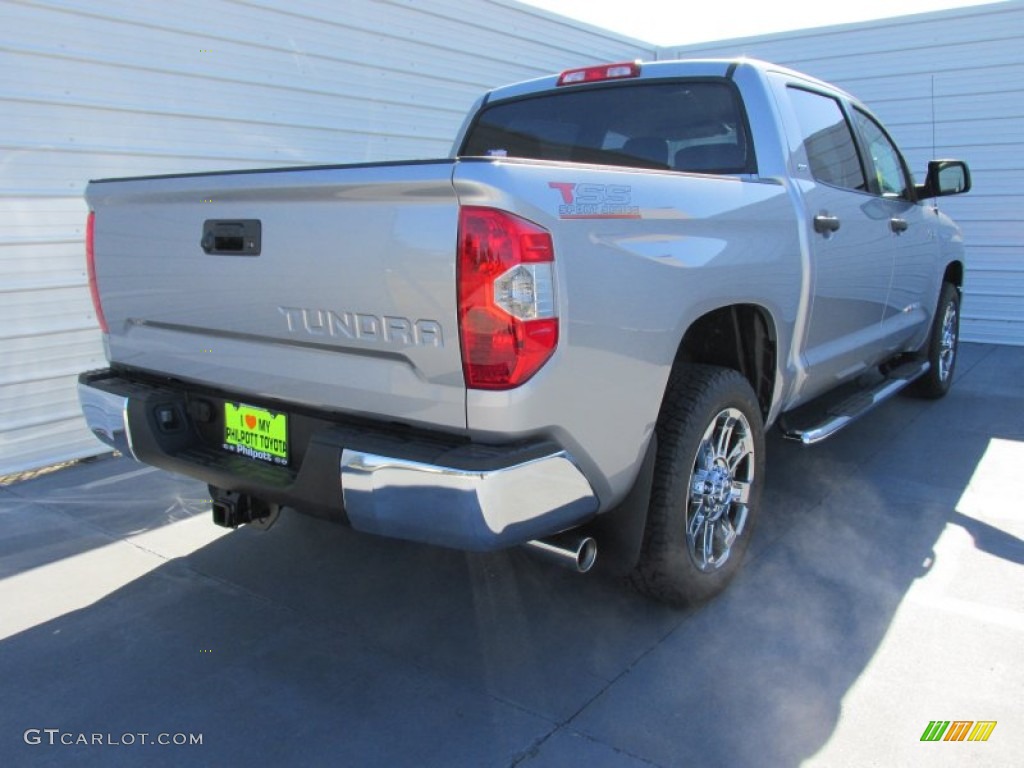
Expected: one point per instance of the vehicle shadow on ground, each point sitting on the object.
(311, 643)
(85, 506)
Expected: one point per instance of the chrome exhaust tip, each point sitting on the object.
(568, 549)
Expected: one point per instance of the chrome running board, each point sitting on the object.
(852, 408)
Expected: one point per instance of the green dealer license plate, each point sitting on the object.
(256, 433)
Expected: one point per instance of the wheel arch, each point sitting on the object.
(954, 274)
(742, 337)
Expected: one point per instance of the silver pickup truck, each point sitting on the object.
(572, 332)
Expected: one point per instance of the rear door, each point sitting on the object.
(848, 231)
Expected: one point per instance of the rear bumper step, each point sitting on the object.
(847, 411)
(432, 488)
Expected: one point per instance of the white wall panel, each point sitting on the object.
(965, 67)
(130, 87)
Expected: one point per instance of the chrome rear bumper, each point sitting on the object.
(440, 490)
(106, 413)
(467, 509)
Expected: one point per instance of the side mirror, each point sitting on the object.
(945, 177)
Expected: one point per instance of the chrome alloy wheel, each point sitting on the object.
(947, 343)
(716, 507)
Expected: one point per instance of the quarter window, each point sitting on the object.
(827, 139)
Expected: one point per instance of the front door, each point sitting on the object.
(911, 237)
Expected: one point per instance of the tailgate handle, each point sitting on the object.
(234, 237)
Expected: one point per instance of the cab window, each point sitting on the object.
(889, 170)
(827, 139)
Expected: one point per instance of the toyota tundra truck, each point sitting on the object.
(571, 333)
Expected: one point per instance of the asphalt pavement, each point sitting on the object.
(883, 591)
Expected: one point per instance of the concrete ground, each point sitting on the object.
(884, 590)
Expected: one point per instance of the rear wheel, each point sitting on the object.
(943, 344)
(707, 485)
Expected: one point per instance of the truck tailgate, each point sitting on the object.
(349, 304)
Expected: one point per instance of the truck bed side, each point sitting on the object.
(640, 255)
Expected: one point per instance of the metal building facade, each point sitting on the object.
(946, 84)
(91, 90)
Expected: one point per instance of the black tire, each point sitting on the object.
(942, 347)
(699, 402)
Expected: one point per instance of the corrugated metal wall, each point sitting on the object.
(971, 60)
(129, 87)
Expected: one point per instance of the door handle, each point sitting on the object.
(825, 224)
(898, 225)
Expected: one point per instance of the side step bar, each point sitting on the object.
(852, 408)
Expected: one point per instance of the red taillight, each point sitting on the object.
(597, 74)
(90, 262)
(508, 321)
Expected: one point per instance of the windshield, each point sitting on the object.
(694, 126)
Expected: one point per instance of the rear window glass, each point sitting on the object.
(684, 126)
